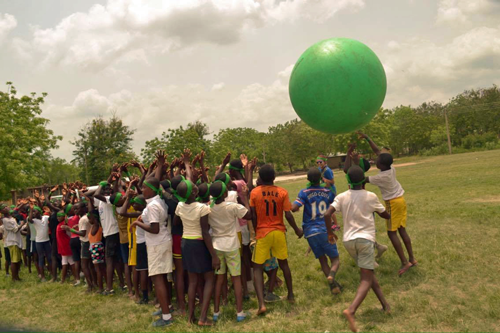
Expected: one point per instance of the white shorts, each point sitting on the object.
(67, 260)
(245, 234)
(160, 259)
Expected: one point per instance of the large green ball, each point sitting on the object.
(337, 85)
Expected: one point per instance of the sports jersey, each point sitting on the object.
(328, 174)
(269, 202)
(315, 200)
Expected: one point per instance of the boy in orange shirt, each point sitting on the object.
(267, 204)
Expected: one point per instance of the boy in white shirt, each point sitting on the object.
(42, 242)
(226, 243)
(392, 193)
(357, 207)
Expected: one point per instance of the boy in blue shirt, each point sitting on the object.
(316, 199)
(326, 174)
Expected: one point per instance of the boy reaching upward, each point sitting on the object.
(267, 204)
(357, 207)
(392, 193)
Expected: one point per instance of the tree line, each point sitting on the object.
(25, 158)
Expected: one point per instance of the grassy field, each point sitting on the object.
(454, 209)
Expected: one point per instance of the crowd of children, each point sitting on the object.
(171, 228)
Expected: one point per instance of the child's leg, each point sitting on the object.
(86, 272)
(161, 292)
(193, 283)
(135, 280)
(393, 236)
(218, 291)
(323, 261)
(378, 291)
(364, 287)
(76, 275)
(64, 272)
(258, 280)
(207, 295)
(406, 239)
(288, 277)
(100, 271)
(238, 292)
(179, 285)
(224, 289)
(110, 261)
(144, 285)
(272, 275)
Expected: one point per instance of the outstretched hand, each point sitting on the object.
(226, 159)
(161, 157)
(244, 160)
(186, 156)
(362, 135)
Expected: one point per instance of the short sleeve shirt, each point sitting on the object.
(42, 229)
(389, 186)
(328, 174)
(108, 218)
(221, 220)
(315, 200)
(73, 223)
(84, 225)
(156, 211)
(269, 202)
(190, 215)
(357, 208)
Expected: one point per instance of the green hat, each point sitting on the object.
(61, 214)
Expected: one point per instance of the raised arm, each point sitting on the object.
(348, 162)
(372, 144)
(204, 175)
(186, 159)
(225, 161)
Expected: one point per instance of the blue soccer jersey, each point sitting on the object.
(328, 174)
(315, 200)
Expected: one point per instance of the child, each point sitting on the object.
(41, 238)
(316, 200)
(13, 241)
(267, 203)
(96, 246)
(198, 255)
(392, 193)
(357, 207)
(155, 222)
(226, 243)
(63, 245)
(327, 177)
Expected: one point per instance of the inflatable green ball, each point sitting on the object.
(337, 85)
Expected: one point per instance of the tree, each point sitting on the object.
(58, 171)
(240, 140)
(25, 140)
(99, 145)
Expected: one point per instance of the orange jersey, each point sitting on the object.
(269, 202)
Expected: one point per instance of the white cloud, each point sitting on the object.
(420, 70)
(459, 11)
(218, 86)
(7, 23)
(105, 34)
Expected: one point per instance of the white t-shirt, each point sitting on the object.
(84, 225)
(32, 232)
(140, 235)
(108, 218)
(388, 184)
(156, 211)
(232, 196)
(12, 232)
(190, 215)
(221, 219)
(357, 208)
(42, 229)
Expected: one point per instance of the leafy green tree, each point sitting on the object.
(26, 142)
(99, 145)
(240, 140)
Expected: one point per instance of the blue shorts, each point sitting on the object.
(320, 246)
(124, 252)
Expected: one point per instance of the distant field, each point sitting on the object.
(454, 210)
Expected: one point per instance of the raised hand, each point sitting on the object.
(202, 157)
(115, 167)
(160, 156)
(253, 163)
(64, 192)
(244, 160)
(186, 156)
(355, 158)
(54, 189)
(361, 135)
(36, 194)
(226, 159)
(195, 160)
(351, 148)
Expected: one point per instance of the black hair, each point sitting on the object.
(267, 173)
(216, 189)
(202, 190)
(182, 188)
(165, 184)
(385, 159)
(222, 177)
(314, 175)
(356, 174)
(113, 197)
(174, 182)
(153, 181)
(236, 163)
(365, 164)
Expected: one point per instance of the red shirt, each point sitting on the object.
(62, 241)
(73, 224)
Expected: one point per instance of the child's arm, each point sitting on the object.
(348, 162)
(208, 242)
(384, 215)
(291, 221)
(372, 144)
(186, 159)
(204, 176)
(153, 228)
(223, 165)
(328, 223)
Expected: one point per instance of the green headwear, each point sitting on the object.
(67, 208)
(117, 198)
(354, 184)
(156, 190)
(206, 195)
(235, 168)
(188, 193)
(103, 183)
(38, 209)
(2, 206)
(61, 214)
(11, 211)
(12, 206)
(139, 201)
(224, 189)
(227, 179)
(322, 158)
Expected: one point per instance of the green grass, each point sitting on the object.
(453, 205)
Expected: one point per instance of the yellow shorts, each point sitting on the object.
(274, 241)
(132, 254)
(15, 254)
(397, 208)
(240, 238)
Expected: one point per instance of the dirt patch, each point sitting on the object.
(405, 164)
(486, 200)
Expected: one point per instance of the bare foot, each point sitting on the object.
(413, 263)
(262, 310)
(291, 299)
(386, 308)
(205, 323)
(405, 268)
(350, 319)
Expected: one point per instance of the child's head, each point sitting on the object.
(364, 164)
(384, 161)
(314, 176)
(61, 216)
(355, 176)
(166, 184)
(267, 174)
(321, 161)
(117, 199)
(150, 187)
(225, 178)
(236, 170)
(187, 191)
(139, 203)
(218, 190)
(203, 193)
(106, 189)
